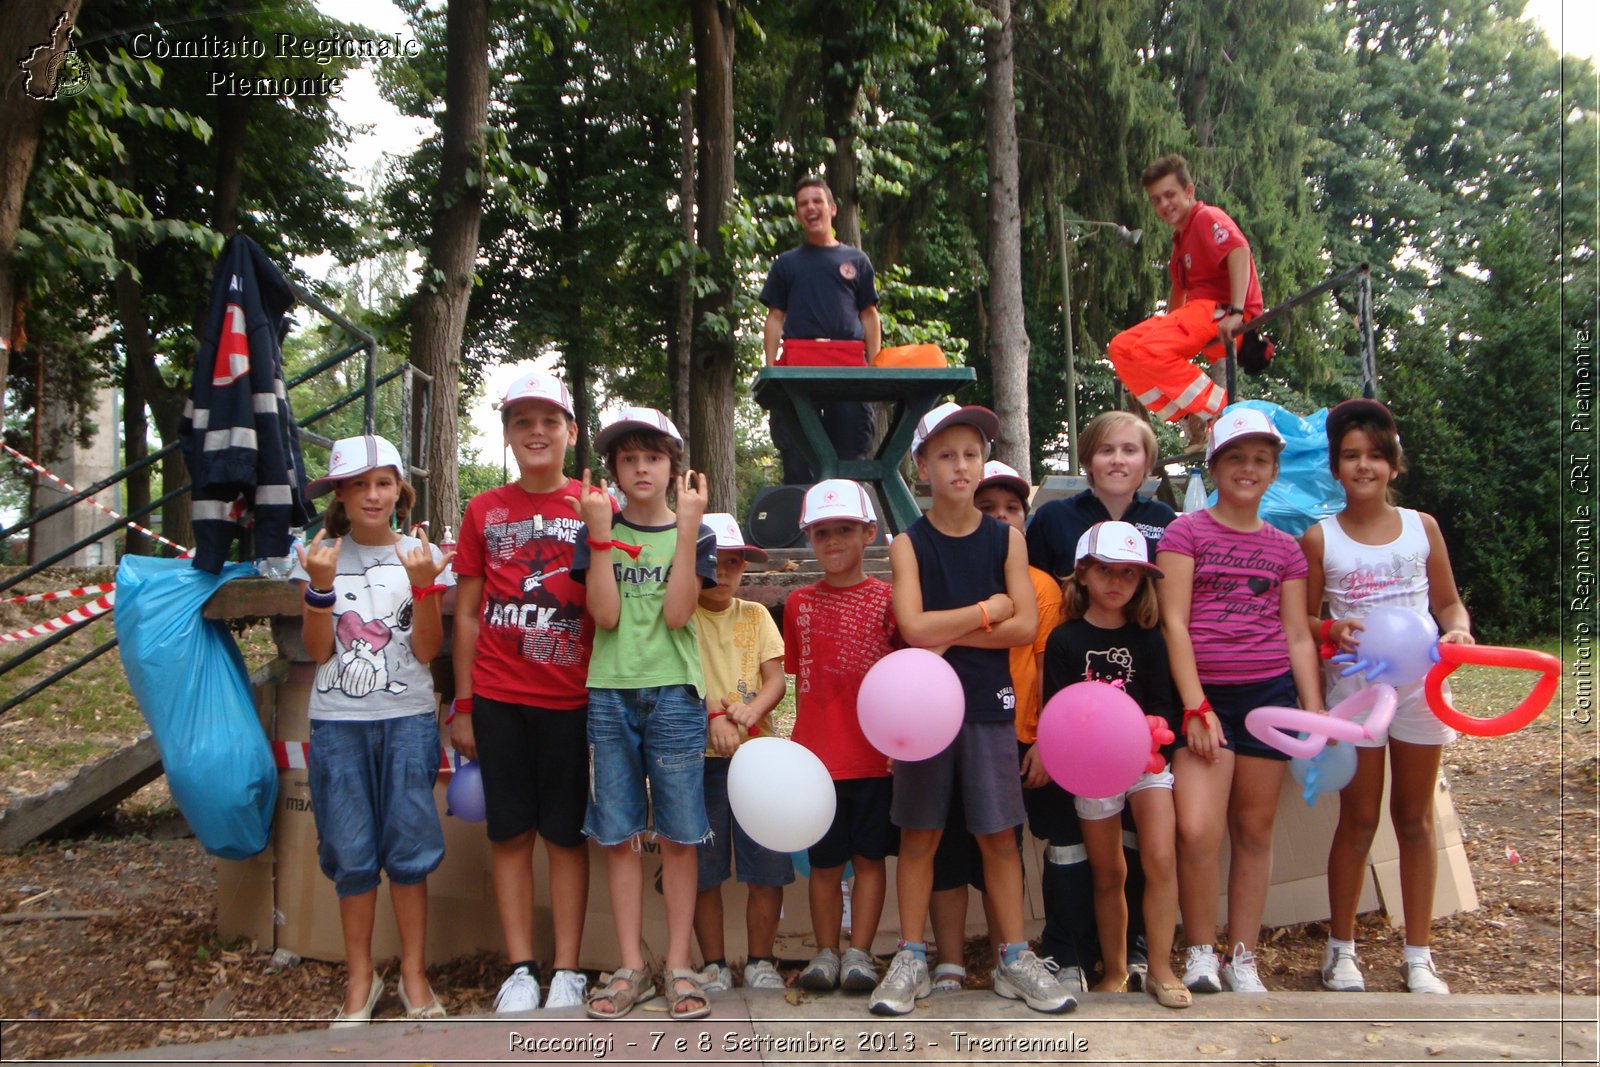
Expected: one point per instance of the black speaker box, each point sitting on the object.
(774, 519)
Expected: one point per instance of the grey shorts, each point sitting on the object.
(982, 763)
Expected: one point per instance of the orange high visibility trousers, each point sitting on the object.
(1155, 360)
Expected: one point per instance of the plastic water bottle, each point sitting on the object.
(280, 567)
(1194, 497)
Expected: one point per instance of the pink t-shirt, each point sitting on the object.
(1234, 615)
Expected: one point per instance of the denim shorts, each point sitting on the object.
(657, 734)
(372, 799)
(755, 864)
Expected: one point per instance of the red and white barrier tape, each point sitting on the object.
(35, 466)
(97, 606)
(64, 594)
(296, 756)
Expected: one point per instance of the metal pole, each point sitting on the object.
(1069, 373)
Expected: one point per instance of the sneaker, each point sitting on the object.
(1033, 981)
(520, 992)
(762, 974)
(717, 978)
(906, 983)
(1340, 972)
(1200, 973)
(1422, 978)
(566, 990)
(1072, 979)
(1138, 966)
(1239, 973)
(821, 975)
(859, 972)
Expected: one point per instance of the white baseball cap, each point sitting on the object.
(986, 422)
(537, 385)
(356, 455)
(730, 537)
(1238, 423)
(1116, 542)
(836, 498)
(632, 418)
(1006, 476)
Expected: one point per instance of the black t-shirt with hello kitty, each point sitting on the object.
(372, 674)
(1079, 651)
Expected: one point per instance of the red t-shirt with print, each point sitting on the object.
(831, 637)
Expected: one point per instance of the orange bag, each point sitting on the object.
(910, 356)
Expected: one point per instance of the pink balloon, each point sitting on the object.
(1093, 739)
(1277, 727)
(911, 705)
(1373, 707)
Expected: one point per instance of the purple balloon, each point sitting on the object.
(1093, 739)
(911, 705)
(464, 796)
(1395, 646)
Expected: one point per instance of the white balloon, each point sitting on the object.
(780, 793)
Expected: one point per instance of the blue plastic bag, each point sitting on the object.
(1305, 491)
(191, 684)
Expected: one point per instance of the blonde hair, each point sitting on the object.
(1142, 609)
(337, 523)
(1093, 435)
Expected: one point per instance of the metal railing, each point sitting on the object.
(416, 397)
(1361, 274)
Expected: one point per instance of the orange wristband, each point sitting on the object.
(984, 610)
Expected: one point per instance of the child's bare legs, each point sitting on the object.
(827, 905)
(1103, 839)
(948, 909)
(1411, 791)
(866, 901)
(569, 898)
(680, 871)
(761, 918)
(1153, 814)
(1252, 809)
(511, 870)
(914, 881)
(1002, 879)
(1200, 792)
(356, 916)
(1359, 805)
(708, 919)
(625, 880)
(411, 917)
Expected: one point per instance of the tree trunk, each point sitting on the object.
(439, 315)
(135, 432)
(27, 24)
(1008, 352)
(165, 401)
(712, 361)
(683, 277)
(840, 87)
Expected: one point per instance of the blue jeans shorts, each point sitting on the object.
(755, 864)
(372, 799)
(657, 734)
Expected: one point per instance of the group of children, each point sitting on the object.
(606, 673)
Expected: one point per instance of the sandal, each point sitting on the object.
(676, 998)
(1170, 994)
(625, 988)
(949, 978)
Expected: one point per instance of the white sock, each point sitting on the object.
(1418, 954)
(1336, 944)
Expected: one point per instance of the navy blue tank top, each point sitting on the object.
(958, 572)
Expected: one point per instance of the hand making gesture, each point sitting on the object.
(319, 559)
(421, 568)
(692, 500)
(593, 505)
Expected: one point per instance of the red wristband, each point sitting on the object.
(715, 715)
(1196, 713)
(621, 546)
(419, 593)
(1327, 649)
(458, 706)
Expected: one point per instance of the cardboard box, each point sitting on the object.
(245, 899)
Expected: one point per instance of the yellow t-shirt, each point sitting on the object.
(1024, 661)
(733, 646)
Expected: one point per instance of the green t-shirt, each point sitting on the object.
(643, 652)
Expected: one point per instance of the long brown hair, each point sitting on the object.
(337, 523)
(1142, 609)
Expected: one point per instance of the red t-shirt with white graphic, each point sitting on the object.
(831, 637)
(534, 635)
(1198, 252)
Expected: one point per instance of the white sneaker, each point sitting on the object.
(858, 974)
(1340, 972)
(520, 992)
(716, 978)
(821, 975)
(1239, 973)
(762, 974)
(1422, 978)
(1033, 981)
(1072, 979)
(906, 983)
(566, 990)
(1200, 972)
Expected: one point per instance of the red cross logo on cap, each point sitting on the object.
(1128, 543)
(1238, 422)
(829, 497)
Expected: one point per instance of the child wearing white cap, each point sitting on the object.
(961, 587)
(833, 632)
(741, 652)
(372, 624)
(1233, 609)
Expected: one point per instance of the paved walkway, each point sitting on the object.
(1300, 1028)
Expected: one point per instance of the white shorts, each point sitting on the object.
(1414, 722)
(1106, 807)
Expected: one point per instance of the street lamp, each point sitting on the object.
(1073, 230)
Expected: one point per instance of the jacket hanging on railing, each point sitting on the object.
(238, 433)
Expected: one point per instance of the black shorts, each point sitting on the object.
(861, 825)
(535, 769)
(1233, 702)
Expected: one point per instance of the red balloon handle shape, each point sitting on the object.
(1160, 734)
(1453, 656)
(1277, 727)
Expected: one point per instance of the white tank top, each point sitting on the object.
(1357, 578)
